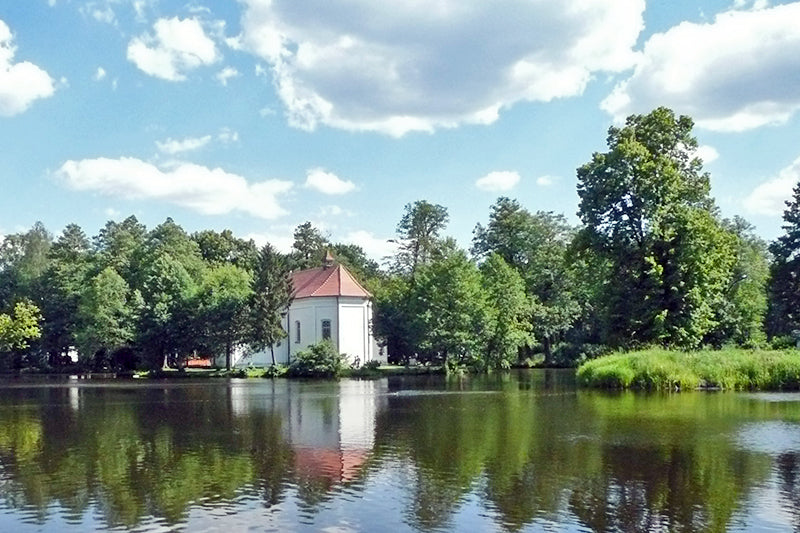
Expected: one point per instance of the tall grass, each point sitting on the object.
(659, 369)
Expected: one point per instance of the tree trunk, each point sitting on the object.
(272, 352)
(548, 353)
(227, 356)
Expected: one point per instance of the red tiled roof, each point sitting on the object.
(326, 281)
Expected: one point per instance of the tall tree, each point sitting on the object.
(536, 245)
(20, 327)
(222, 312)
(23, 262)
(784, 285)
(271, 297)
(308, 248)
(418, 234)
(646, 207)
(107, 315)
(223, 247)
(70, 261)
(119, 245)
(508, 311)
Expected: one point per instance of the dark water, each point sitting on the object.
(519, 452)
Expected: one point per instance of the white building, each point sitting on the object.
(328, 303)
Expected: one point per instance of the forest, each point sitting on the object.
(652, 263)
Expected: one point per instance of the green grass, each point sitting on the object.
(659, 369)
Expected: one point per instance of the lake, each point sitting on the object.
(523, 451)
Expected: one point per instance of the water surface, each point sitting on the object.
(523, 451)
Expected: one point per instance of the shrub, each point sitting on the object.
(372, 365)
(318, 360)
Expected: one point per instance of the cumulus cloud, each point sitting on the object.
(497, 181)
(20, 83)
(99, 74)
(176, 47)
(770, 197)
(737, 73)
(418, 66)
(174, 146)
(707, 153)
(327, 182)
(375, 247)
(545, 181)
(281, 240)
(205, 190)
(225, 74)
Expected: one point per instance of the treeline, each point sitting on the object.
(652, 263)
(133, 297)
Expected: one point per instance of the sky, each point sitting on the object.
(259, 115)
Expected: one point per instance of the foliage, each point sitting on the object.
(661, 369)
(418, 235)
(509, 328)
(309, 247)
(318, 360)
(270, 297)
(20, 327)
(449, 315)
(646, 208)
(784, 284)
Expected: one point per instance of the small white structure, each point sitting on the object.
(328, 303)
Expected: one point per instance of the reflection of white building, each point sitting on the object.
(328, 303)
(333, 435)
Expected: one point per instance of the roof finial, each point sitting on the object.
(328, 260)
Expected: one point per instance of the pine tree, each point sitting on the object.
(784, 290)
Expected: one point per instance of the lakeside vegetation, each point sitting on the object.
(652, 263)
(727, 369)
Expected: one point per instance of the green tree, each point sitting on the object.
(271, 297)
(120, 246)
(20, 327)
(107, 314)
(646, 208)
(23, 262)
(222, 310)
(536, 245)
(508, 311)
(308, 248)
(418, 235)
(784, 284)
(223, 247)
(449, 316)
(168, 312)
(70, 261)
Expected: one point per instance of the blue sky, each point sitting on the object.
(258, 115)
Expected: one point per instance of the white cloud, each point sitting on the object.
(499, 180)
(750, 4)
(227, 136)
(327, 182)
(225, 74)
(707, 153)
(425, 65)
(174, 146)
(205, 190)
(334, 211)
(178, 46)
(545, 181)
(737, 73)
(769, 198)
(375, 247)
(281, 241)
(111, 212)
(20, 83)
(99, 74)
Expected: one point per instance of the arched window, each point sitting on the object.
(297, 331)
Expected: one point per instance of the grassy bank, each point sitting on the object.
(729, 369)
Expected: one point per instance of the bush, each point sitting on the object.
(318, 360)
(372, 365)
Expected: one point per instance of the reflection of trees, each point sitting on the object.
(131, 461)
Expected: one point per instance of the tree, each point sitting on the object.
(107, 314)
(20, 327)
(221, 308)
(449, 317)
(70, 261)
(508, 311)
(271, 296)
(784, 285)
(23, 262)
(646, 208)
(120, 246)
(223, 247)
(536, 245)
(309, 247)
(418, 234)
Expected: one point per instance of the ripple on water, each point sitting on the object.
(772, 437)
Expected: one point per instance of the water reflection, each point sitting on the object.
(512, 452)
